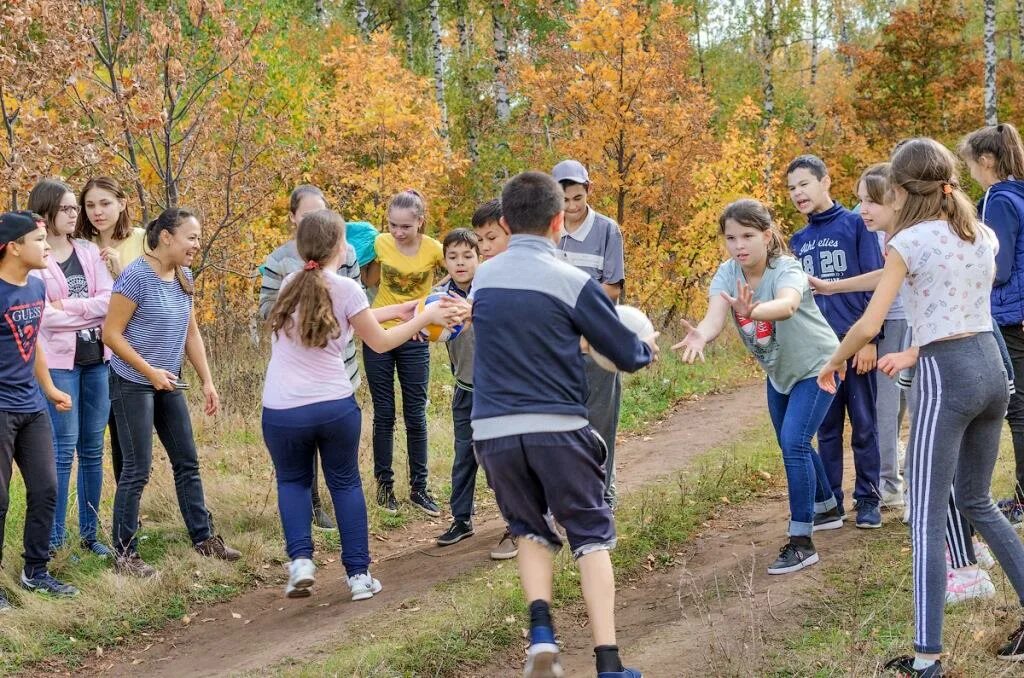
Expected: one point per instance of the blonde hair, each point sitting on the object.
(926, 170)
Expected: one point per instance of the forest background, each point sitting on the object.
(677, 108)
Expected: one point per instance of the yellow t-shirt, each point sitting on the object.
(403, 278)
(131, 248)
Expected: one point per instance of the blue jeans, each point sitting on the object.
(139, 408)
(796, 417)
(855, 396)
(81, 429)
(464, 465)
(412, 362)
(293, 437)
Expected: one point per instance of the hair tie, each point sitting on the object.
(947, 188)
(311, 265)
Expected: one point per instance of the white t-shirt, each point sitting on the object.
(949, 283)
(299, 375)
(896, 311)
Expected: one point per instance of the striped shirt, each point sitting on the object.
(158, 327)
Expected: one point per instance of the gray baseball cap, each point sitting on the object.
(571, 170)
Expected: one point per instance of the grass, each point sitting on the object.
(467, 622)
(239, 487)
(864, 615)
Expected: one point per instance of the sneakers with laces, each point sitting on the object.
(458, 531)
(794, 556)
(386, 499)
(869, 517)
(542, 655)
(1014, 512)
(132, 565)
(1013, 650)
(98, 548)
(322, 520)
(301, 573)
(967, 583)
(44, 582)
(904, 667)
(364, 586)
(831, 519)
(422, 500)
(214, 547)
(507, 548)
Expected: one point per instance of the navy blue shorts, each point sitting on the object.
(539, 475)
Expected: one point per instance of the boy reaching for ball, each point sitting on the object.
(529, 414)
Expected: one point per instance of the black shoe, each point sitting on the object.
(794, 556)
(1013, 651)
(424, 502)
(904, 667)
(322, 520)
(456, 533)
(829, 520)
(44, 582)
(386, 499)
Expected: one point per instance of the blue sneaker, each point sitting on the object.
(542, 656)
(98, 547)
(44, 582)
(624, 673)
(869, 516)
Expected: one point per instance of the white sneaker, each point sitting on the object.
(364, 586)
(300, 578)
(968, 583)
(984, 555)
(894, 500)
(906, 507)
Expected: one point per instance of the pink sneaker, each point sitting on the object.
(968, 583)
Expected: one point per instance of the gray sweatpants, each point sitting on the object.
(603, 401)
(960, 400)
(890, 406)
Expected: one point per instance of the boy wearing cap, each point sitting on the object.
(26, 437)
(592, 242)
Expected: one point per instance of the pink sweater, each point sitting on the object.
(58, 330)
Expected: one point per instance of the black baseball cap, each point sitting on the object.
(13, 225)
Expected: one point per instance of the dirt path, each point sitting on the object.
(261, 628)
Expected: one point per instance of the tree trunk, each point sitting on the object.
(12, 153)
(437, 50)
(500, 62)
(362, 18)
(321, 11)
(814, 43)
(767, 49)
(700, 47)
(464, 25)
(1020, 28)
(991, 116)
(409, 53)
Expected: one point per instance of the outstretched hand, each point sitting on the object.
(743, 303)
(692, 344)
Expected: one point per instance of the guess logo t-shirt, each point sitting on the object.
(21, 310)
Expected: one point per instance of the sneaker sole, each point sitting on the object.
(300, 589)
(321, 528)
(1005, 658)
(869, 526)
(984, 594)
(504, 555)
(432, 514)
(449, 542)
(544, 664)
(830, 525)
(806, 562)
(366, 595)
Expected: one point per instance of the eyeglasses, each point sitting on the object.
(69, 210)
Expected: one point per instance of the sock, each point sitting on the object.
(922, 664)
(540, 614)
(802, 542)
(608, 658)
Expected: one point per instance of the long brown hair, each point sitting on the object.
(926, 170)
(44, 200)
(877, 182)
(84, 227)
(752, 214)
(1003, 143)
(319, 237)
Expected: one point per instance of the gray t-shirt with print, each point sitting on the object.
(789, 350)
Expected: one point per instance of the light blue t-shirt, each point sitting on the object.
(789, 350)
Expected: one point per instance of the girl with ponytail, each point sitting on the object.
(943, 259)
(308, 401)
(995, 158)
(780, 324)
(150, 326)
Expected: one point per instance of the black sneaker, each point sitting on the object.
(1013, 651)
(904, 667)
(386, 499)
(829, 520)
(44, 582)
(322, 520)
(424, 502)
(794, 556)
(5, 605)
(456, 533)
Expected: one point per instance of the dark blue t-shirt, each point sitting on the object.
(22, 311)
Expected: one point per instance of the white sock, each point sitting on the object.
(921, 664)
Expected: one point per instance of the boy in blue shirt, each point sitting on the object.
(834, 245)
(529, 418)
(26, 438)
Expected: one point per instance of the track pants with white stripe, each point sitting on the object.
(960, 400)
